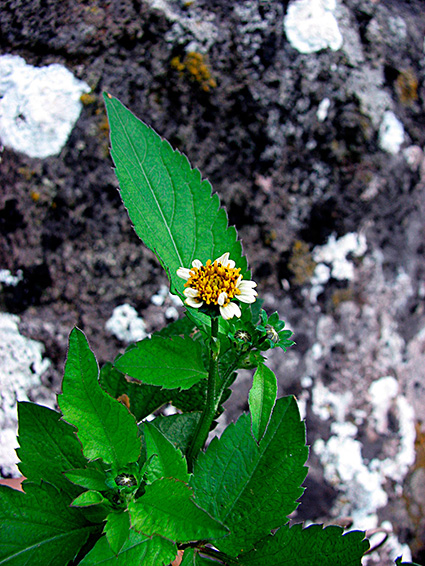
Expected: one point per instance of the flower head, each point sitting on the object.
(272, 332)
(217, 283)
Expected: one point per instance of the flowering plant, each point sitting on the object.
(106, 485)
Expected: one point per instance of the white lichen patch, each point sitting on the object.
(126, 324)
(368, 85)
(162, 295)
(38, 106)
(194, 29)
(10, 280)
(384, 395)
(332, 260)
(310, 25)
(21, 367)
(391, 133)
(322, 110)
(362, 484)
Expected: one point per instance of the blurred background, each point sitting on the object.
(308, 118)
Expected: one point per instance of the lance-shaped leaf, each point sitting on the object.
(48, 447)
(262, 398)
(39, 527)
(90, 478)
(296, 546)
(167, 509)
(172, 209)
(138, 549)
(89, 498)
(253, 488)
(166, 362)
(105, 427)
(168, 461)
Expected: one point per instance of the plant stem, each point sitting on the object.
(225, 559)
(207, 416)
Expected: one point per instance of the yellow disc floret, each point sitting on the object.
(215, 283)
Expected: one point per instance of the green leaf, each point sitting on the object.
(165, 362)
(116, 530)
(250, 488)
(138, 549)
(89, 498)
(167, 509)
(179, 429)
(48, 447)
(400, 563)
(262, 399)
(295, 546)
(145, 399)
(105, 427)
(39, 527)
(89, 478)
(168, 462)
(181, 327)
(172, 209)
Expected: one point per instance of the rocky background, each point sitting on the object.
(308, 118)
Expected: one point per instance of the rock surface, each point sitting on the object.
(313, 136)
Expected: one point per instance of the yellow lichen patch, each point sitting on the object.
(26, 173)
(301, 263)
(406, 87)
(195, 66)
(341, 296)
(88, 98)
(35, 195)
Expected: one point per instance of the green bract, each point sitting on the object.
(107, 487)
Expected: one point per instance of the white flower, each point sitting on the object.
(217, 283)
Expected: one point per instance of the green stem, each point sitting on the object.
(207, 416)
(224, 558)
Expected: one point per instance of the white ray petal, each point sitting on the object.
(222, 298)
(230, 311)
(194, 303)
(183, 272)
(246, 285)
(189, 292)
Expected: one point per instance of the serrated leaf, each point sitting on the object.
(116, 530)
(105, 427)
(168, 461)
(39, 527)
(164, 362)
(48, 447)
(89, 498)
(172, 209)
(138, 549)
(250, 488)
(167, 509)
(262, 398)
(179, 429)
(295, 546)
(89, 478)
